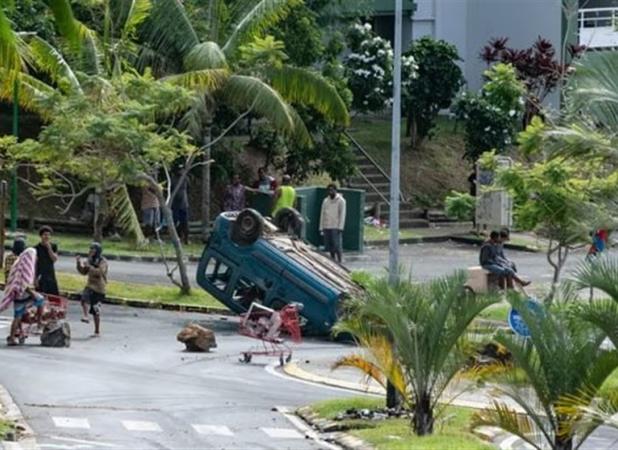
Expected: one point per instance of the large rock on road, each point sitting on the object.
(197, 338)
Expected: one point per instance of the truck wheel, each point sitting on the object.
(290, 221)
(248, 227)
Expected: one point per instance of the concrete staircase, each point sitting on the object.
(376, 183)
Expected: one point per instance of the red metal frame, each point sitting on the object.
(254, 323)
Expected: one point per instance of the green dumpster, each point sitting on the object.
(310, 206)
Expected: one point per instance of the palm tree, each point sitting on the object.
(213, 69)
(562, 359)
(426, 325)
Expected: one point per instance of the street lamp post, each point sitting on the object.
(14, 170)
(393, 248)
(392, 397)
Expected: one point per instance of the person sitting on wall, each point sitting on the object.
(490, 261)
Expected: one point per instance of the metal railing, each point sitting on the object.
(597, 18)
(376, 165)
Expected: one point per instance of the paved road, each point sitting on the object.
(135, 388)
(424, 261)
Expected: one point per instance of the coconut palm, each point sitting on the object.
(214, 68)
(426, 325)
(563, 358)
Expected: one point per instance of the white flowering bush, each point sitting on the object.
(368, 68)
(493, 116)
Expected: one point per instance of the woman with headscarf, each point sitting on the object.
(95, 267)
(20, 292)
(19, 245)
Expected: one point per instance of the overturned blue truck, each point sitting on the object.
(248, 259)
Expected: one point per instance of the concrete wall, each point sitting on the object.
(522, 21)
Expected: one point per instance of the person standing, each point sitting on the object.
(19, 245)
(46, 257)
(265, 183)
(234, 198)
(95, 267)
(285, 196)
(151, 218)
(180, 205)
(332, 222)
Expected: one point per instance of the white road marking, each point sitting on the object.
(282, 433)
(140, 425)
(83, 441)
(219, 430)
(508, 442)
(11, 445)
(71, 422)
(304, 428)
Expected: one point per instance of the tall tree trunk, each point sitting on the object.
(185, 285)
(423, 419)
(393, 399)
(206, 184)
(563, 443)
(97, 219)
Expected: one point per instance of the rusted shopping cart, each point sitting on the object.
(271, 327)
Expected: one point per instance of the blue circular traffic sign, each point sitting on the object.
(516, 321)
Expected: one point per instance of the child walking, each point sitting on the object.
(95, 267)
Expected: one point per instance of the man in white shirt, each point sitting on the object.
(332, 221)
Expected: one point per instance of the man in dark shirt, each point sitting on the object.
(491, 261)
(46, 256)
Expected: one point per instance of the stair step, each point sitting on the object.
(373, 177)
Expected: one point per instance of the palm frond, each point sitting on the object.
(205, 80)
(244, 92)
(137, 14)
(68, 26)
(309, 88)
(593, 88)
(168, 29)
(206, 55)
(13, 51)
(261, 16)
(125, 215)
(600, 273)
(503, 417)
(33, 93)
(48, 59)
(603, 314)
(365, 366)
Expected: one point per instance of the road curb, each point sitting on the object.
(150, 304)
(332, 430)
(14, 414)
(478, 242)
(293, 370)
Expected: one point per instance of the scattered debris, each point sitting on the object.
(373, 414)
(56, 334)
(197, 338)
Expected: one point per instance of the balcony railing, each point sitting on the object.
(598, 27)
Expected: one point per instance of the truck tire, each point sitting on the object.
(247, 228)
(290, 221)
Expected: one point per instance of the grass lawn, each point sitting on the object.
(496, 312)
(452, 432)
(610, 387)
(80, 243)
(428, 173)
(146, 292)
(5, 427)
(381, 234)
